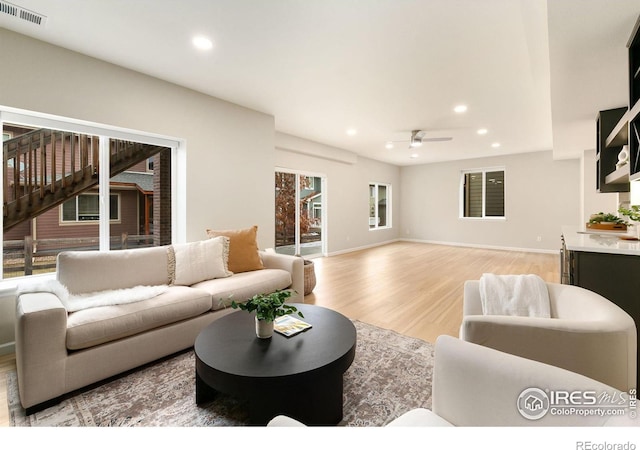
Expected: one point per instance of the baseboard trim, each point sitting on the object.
(450, 244)
(8, 348)
(483, 246)
(363, 247)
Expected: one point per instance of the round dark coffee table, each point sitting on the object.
(299, 376)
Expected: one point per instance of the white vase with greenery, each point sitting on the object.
(264, 328)
(267, 307)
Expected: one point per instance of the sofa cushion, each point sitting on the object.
(93, 271)
(242, 286)
(198, 261)
(94, 326)
(243, 248)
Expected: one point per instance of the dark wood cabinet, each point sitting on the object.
(625, 132)
(614, 276)
(634, 145)
(607, 156)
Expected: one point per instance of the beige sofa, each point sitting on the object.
(59, 351)
(477, 386)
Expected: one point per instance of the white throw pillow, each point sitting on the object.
(199, 261)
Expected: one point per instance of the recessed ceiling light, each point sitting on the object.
(202, 43)
(389, 145)
(460, 108)
(352, 131)
(483, 131)
(495, 144)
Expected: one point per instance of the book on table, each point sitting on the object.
(289, 325)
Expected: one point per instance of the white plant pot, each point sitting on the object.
(264, 329)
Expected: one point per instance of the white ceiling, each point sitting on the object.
(534, 73)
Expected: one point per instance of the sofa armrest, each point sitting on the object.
(41, 333)
(292, 264)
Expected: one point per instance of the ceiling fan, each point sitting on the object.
(417, 138)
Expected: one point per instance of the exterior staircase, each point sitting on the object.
(44, 168)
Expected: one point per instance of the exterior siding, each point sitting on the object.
(473, 194)
(49, 225)
(495, 194)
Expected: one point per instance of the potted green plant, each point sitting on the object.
(268, 307)
(606, 218)
(607, 221)
(633, 213)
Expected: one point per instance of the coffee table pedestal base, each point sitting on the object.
(317, 402)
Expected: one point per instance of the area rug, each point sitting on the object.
(391, 374)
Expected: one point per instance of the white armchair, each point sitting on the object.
(586, 334)
(475, 386)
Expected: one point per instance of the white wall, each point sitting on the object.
(634, 195)
(541, 195)
(347, 197)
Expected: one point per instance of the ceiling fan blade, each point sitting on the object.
(418, 137)
(437, 139)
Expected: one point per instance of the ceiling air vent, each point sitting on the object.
(20, 13)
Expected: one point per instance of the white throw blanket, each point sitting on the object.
(514, 295)
(74, 303)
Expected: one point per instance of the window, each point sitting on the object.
(86, 207)
(379, 206)
(482, 193)
(120, 206)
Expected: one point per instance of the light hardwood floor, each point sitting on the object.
(412, 288)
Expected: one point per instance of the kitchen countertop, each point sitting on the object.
(577, 239)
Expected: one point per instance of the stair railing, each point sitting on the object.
(43, 168)
(36, 160)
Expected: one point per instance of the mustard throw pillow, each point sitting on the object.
(243, 248)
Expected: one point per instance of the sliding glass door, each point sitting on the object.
(299, 214)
